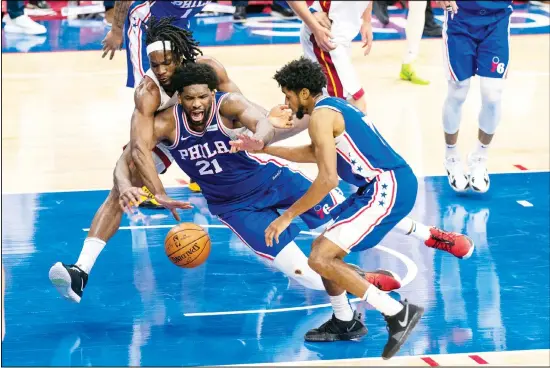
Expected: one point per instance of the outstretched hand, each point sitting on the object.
(246, 143)
(173, 204)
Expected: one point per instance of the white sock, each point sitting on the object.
(451, 151)
(414, 29)
(90, 251)
(415, 229)
(341, 307)
(384, 303)
(293, 263)
(481, 149)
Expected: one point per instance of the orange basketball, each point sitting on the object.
(187, 245)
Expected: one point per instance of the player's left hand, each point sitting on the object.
(246, 143)
(276, 228)
(366, 36)
(172, 205)
(281, 117)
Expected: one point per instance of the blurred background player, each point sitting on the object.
(128, 22)
(16, 21)
(413, 32)
(476, 41)
(326, 38)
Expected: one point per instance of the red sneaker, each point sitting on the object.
(458, 245)
(384, 280)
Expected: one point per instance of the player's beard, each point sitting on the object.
(198, 124)
(300, 112)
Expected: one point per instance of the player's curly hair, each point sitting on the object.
(194, 73)
(184, 46)
(301, 73)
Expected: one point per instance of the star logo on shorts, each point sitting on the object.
(384, 186)
(381, 203)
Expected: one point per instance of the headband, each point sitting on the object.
(158, 46)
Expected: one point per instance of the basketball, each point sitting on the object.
(187, 245)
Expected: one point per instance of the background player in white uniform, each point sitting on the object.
(476, 37)
(332, 49)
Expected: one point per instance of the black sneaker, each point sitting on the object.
(336, 330)
(69, 280)
(400, 326)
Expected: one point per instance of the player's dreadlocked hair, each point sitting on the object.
(194, 73)
(184, 46)
(301, 73)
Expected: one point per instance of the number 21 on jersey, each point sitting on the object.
(209, 167)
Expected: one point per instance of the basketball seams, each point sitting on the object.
(190, 243)
(201, 250)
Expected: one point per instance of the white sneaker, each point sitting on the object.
(455, 173)
(23, 24)
(479, 178)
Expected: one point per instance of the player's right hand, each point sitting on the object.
(323, 38)
(173, 204)
(281, 117)
(112, 42)
(323, 19)
(131, 197)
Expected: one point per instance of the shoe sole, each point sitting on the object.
(471, 251)
(61, 279)
(410, 327)
(335, 337)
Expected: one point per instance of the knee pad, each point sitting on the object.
(456, 95)
(458, 91)
(491, 97)
(294, 264)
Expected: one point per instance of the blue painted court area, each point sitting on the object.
(72, 35)
(139, 309)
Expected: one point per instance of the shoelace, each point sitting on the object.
(441, 242)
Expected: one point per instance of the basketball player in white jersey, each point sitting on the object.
(332, 49)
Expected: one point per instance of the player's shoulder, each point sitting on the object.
(147, 94)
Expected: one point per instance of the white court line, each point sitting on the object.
(525, 203)
(412, 271)
(511, 171)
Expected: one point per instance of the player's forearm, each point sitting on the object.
(318, 190)
(145, 165)
(302, 154)
(367, 14)
(302, 11)
(122, 176)
(121, 12)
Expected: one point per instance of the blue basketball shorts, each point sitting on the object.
(366, 216)
(251, 221)
(476, 44)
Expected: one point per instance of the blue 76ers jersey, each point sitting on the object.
(362, 152)
(228, 180)
(183, 11)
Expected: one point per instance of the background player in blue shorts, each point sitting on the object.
(345, 144)
(476, 41)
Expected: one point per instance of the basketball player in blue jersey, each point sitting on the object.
(476, 37)
(239, 189)
(345, 144)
